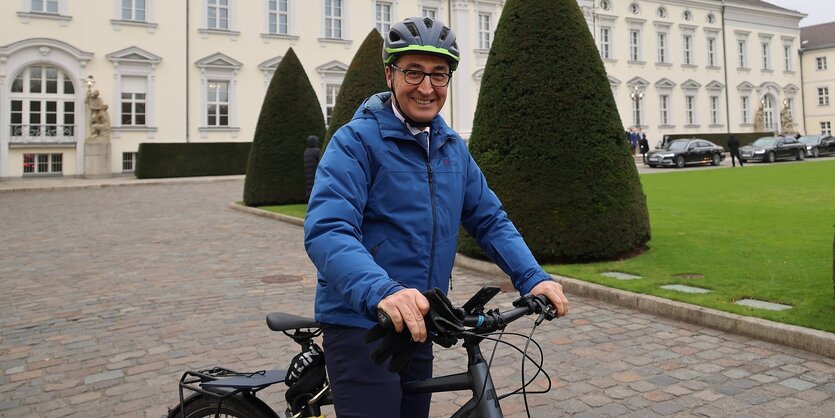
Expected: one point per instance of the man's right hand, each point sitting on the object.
(407, 306)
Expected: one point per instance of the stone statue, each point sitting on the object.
(100, 123)
(786, 123)
(759, 119)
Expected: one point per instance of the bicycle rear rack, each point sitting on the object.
(223, 383)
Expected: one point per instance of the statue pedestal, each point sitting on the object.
(97, 159)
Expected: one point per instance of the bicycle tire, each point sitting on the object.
(231, 407)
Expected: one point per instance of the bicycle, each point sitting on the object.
(222, 392)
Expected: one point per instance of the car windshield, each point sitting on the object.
(676, 145)
(811, 140)
(764, 142)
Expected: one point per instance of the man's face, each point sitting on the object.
(423, 101)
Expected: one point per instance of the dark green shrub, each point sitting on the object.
(366, 76)
(161, 160)
(549, 138)
(290, 113)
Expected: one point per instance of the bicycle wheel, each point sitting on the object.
(231, 407)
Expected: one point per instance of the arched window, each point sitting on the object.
(42, 106)
(768, 113)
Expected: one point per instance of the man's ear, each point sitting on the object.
(388, 76)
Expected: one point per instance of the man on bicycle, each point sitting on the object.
(392, 189)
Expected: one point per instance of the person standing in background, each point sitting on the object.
(733, 147)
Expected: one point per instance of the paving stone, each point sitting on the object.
(759, 304)
(620, 276)
(685, 289)
(154, 301)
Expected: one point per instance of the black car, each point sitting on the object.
(817, 145)
(772, 148)
(681, 152)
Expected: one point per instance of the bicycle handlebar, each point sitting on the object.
(494, 320)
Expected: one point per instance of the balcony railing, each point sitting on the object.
(42, 134)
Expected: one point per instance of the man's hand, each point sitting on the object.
(408, 306)
(553, 291)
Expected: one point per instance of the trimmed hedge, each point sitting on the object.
(744, 138)
(548, 136)
(366, 76)
(160, 160)
(290, 113)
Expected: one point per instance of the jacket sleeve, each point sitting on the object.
(332, 226)
(484, 218)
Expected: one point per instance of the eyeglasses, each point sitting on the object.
(416, 77)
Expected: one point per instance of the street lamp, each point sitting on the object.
(89, 82)
(636, 95)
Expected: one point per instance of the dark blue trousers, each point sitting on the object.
(364, 389)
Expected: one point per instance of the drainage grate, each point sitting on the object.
(281, 278)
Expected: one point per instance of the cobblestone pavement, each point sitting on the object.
(109, 294)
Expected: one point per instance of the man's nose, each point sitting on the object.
(425, 85)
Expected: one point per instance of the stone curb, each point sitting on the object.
(819, 342)
(267, 214)
(68, 184)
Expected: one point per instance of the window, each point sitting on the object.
(217, 103)
(741, 51)
(331, 91)
(714, 110)
(711, 18)
(605, 42)
(820, 63)
(826, 128)
(45, 6)
(662, 12)
(687, 47)
(128, 162)
(634, 8)
(133, 10)
(823, 96)
(636, 112)
(690, 109)
(429, 12)
(664, 106)
(634, 45)
(766, 47)
(218, 14)
(745, 108)
(42, 106)
(711, 52)
(787, 58)
(43, 163)
(768, 113)
(662, 47)
(688, 16)
(604, 4)
(383, 16)
(134, 93)
(483, 31)
(333, 19)
(278, 17)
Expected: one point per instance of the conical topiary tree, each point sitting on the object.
(290, 113)
(549, 138)
(366, 76)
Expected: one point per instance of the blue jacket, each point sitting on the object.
(384, 216)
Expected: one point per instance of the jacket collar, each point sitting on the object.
(379, 107)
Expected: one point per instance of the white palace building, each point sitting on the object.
(197, 70)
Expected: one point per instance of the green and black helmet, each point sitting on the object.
(421, 35)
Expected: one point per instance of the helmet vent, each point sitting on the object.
(412, 28)
(444, 33)
(394, 36)
(428, 22)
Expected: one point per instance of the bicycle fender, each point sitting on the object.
(176, 412)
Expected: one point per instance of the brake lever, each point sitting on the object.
(546, 310)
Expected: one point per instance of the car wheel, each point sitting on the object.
(680, 161)
(770, 157)
(816, 152)
(652, 166)
(801, 154)
(716, 159)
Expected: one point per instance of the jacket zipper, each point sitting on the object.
(432, 247)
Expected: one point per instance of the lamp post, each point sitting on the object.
(636, 95)
(89, 82)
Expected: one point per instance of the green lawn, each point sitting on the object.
(764, 231)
